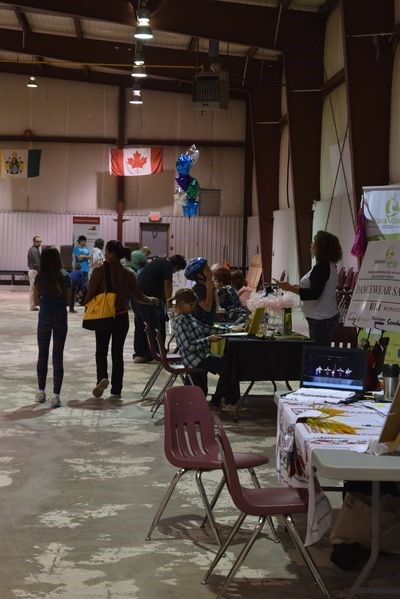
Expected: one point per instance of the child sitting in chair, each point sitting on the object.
(194, 345)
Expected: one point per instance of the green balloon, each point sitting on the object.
(193, 190)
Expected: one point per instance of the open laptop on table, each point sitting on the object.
(332, 369)
(253, 326)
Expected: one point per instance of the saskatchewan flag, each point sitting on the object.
(17, 164)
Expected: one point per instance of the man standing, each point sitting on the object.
(157, 277)
(33, 267)
(81, 256)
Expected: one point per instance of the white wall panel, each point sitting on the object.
(214, 237)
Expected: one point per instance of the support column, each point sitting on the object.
(248, 180)
(304, 82)
(368, 55)
(266, 126)
(121, 143)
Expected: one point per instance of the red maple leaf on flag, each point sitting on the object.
(137, 160)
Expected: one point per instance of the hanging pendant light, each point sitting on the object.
(136, 94)
(143, 29)
(32, 82)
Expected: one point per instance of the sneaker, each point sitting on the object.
(55, 401)
(98, 390)
(142, 359)
(115, 396)
(40, 397)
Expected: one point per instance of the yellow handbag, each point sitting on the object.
(99, 312)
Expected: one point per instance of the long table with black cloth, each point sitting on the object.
(252, 359)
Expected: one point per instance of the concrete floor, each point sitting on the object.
(79, 487)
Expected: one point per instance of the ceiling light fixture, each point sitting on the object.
(136, 94)
(139, 56)
(32, 82)
(143, 29)
(139, 71)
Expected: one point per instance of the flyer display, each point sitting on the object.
(375, 301)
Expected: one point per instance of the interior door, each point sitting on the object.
(155, 236)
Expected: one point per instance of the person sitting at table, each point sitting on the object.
(317, 289)
(240, 284)
(228, 297)
(193, 340)
(199, 271)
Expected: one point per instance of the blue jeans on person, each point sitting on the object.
(117, 334)
(48, 325)
(321, 331)
(155, 317)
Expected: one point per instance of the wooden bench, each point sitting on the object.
(14, 277)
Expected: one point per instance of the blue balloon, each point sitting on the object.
(183, 181)
(183, 164)
(191, 209)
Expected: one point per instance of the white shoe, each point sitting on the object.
(40, 397)
(55, 401)
(100, 387)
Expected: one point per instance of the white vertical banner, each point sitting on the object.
(376, 297)
(382, 212)
(89, 226)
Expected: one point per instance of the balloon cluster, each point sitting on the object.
(187, 192)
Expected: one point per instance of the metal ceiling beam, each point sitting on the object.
(87, 51)
(235, 23)
(117, 11)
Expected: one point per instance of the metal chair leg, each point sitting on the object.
(305, 554)
(242, 555)
(160, 397)
(165, 500)
(256, 483)
(207, 507)
(224, 546)
(214, 499)
(151, 381)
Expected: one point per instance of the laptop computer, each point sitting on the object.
(253, 325)
(334, 368)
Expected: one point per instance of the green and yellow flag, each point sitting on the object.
(19, 164)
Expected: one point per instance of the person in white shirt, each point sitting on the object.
(97, 254)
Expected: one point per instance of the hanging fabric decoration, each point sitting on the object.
(188, 188)
(360, 238)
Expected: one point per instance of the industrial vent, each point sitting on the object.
(210, 202)
(211, 90)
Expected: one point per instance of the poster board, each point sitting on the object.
(375, 301)
(390, 434)
(382, 212)
(254, 272)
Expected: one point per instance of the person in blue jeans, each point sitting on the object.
(76, 277)
(52, 292)
(82, 256)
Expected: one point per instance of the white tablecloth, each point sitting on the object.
(296, 441)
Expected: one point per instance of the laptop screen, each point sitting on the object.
(334, 368)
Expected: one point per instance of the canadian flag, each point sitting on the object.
(132, 162)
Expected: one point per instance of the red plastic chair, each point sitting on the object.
(174, 370)
(263, 503)
(190, 445)
(171, 357)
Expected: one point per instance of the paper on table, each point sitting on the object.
(326, 395)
